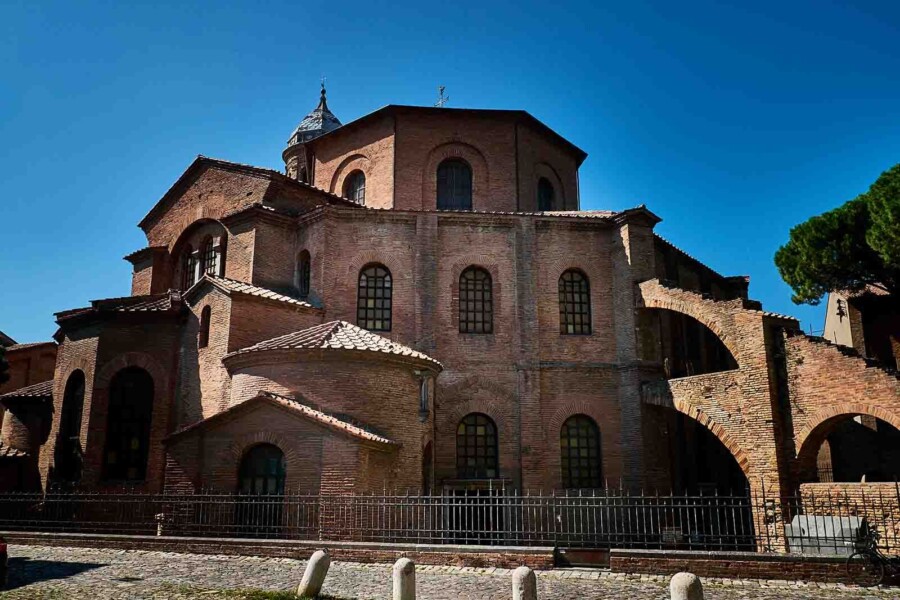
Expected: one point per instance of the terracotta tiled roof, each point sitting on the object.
(241, 287)
(43, 389)
(30, 345)
(128, 304)
(336, 423)
(10, 452)
(336, 335)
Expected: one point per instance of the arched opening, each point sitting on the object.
(852, 448)
(128, 425)
(200, 249)
(681, 344)
(476, 448)
(580, 456)
(374, 298)
(304, 269)
(260, 489)
(454, 185)
(208, 257)
(188, 267)
(68, 457)
(203, 334)
(476, 301)
(546, 196)
(355, 187)
(574, 303)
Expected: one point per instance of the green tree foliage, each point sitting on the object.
(849, 248)
(4, 366)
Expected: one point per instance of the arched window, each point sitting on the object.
(262, 471)
(67, 456)
(454, 185)
(579, 445)
(302, 176)
(208, 263)
(574, 303)
(373, 300)
(128, 425)
(187, 267)
(355, 187)
(303, 272)
(476, 301)
(545, 194)
(203, 335)
(476, 448)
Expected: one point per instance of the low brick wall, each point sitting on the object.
(730, 565)
(364, 552)
(879, 503)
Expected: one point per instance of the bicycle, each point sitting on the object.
(868, 566)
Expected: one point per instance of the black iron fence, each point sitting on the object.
(827, 523)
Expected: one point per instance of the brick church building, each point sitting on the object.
(419, 303)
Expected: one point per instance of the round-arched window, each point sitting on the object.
(373, 298)
(355, 187)
(454, 185)
(545, 195)
(476, 448)
(128, 425)
(262, 471)
(574, 303)
(579, 444)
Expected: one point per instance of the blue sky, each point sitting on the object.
(732, 121)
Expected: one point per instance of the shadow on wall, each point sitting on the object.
(23, 571)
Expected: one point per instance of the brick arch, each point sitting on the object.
(547, 171)
(189, 227)
(819, 424)
(230, 460)
(490, 408)
(467, 152)
(356, 264)
(570, 409)
(348, 165)
(737, 452)
(132, 359)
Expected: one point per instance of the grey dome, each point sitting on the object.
(318, 122)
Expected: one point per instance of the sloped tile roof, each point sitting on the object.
(10, 452)
(43, 389)
(241, 287)
(29, 345)
(336, 335)
(336, 423)
(127, 304)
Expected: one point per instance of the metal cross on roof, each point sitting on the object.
(442, 99)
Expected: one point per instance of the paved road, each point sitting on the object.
(98, 574)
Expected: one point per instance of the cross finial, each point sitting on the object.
(322, 93)
(442, 99)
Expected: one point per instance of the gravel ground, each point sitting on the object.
(101, 574)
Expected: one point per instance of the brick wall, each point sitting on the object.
(879, 503)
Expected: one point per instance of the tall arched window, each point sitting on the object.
(355, 187)
(454, 185)
(187, 267)
(476, 448)
(128, 425)
(262, 471)
(373, 300)
(545, 195)
(579, 444)
(304, 268)
(203, 334)
(574, 303)
(476, 301)
(67, 461)
(208, 262)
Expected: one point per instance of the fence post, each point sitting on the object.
(404, 580)
(524, 584)
(314, 576)
(686, 586)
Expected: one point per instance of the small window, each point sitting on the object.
(355, 187)
(476, 301)
(579, 442)
(188, 266)
(303, 272)
(262, 471)
(454, 185)
(203, 335)
(374, 296)
(476, 448)
(574, 303)
(208, 257)
(545, 195)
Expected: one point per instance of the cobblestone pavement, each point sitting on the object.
(100, 574)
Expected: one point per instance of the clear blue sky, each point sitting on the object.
(731, 122)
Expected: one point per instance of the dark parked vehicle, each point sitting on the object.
(4, 557)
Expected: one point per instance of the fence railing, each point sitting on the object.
(826, 523)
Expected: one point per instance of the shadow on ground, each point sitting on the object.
(23, 571)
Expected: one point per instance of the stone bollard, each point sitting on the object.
(314, 576)
(404, 580)
(686, 586)
(524, 584)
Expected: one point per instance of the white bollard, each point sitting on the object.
(524, 584)
(404, 580)
(686, 586)
(314, 576)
